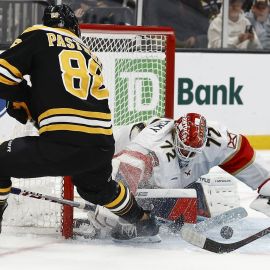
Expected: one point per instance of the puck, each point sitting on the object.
(226, 232)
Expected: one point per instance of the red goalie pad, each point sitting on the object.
(170, 204)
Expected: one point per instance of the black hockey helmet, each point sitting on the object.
(61, 16)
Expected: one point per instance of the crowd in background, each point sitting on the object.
(197, 23)
(105, 11)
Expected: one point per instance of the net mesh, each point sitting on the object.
(134, 71)
(29, 212)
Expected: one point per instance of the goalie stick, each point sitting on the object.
(231, 215)
(193, 237)
(207, 224)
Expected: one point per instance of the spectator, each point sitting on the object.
(247, 5)
(211, 8)
(240, 34)
(84, 14)
(187, 17)
(259, 18)
(105, 12)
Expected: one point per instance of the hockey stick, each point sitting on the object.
(231, 215)
(39, 196)
(207, 224)
(193, 237)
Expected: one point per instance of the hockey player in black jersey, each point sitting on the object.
(68, 102)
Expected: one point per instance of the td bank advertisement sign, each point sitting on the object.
(232, 89)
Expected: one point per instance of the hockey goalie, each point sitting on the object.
(164, 160)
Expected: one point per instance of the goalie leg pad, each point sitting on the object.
(220, 193)
(170, 204)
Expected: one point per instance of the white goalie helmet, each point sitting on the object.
(190, 136)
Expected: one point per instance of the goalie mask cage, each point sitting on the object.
(138, 70)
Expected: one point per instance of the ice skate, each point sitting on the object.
(144, 231)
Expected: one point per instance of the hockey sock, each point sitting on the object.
(5, 187)
(125, 205)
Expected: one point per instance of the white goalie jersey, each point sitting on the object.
(150, 159)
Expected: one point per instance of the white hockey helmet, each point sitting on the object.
(190, 136)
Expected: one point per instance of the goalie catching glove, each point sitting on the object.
(262, 202)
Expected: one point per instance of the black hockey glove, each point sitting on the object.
(19, 111)
(19, 92)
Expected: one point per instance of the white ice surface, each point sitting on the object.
(21, 250)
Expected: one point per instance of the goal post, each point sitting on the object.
(138, 70)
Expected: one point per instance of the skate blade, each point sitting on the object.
(145, 239)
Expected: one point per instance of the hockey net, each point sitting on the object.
(138, 69)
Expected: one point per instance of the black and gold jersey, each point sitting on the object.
(68, 97)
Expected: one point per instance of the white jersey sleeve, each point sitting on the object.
(238, 157)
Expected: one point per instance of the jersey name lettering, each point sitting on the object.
(160, 125)
(65, 42)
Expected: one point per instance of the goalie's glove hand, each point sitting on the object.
(19, 111)
(262, 202)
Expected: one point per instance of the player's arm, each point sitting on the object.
(15, 62)
(246, 165)
(238, 157)
(240, 160)
(251, 168)
(17, 92)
